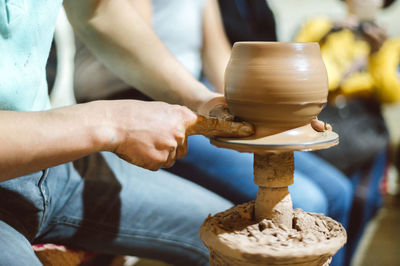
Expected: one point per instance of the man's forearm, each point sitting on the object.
(122, 40)
(32, 141)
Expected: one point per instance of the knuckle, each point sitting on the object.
(171, 145)
(187, 113)
(183, 109)
(178, 108)
(179, 135)
(166, 143)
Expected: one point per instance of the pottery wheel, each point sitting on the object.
(268, 231)
(303, 138)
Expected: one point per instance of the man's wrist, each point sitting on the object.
(103, 133)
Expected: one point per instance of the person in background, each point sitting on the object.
(363, 70)
(193, 32)
(248, 20)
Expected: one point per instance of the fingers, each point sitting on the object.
(327, 126)
(221, 112)
(207, 107)
(177, 152)
(217, 108)
(160, 140)
(171, 158)
(216, 120)
(182, 150)
(320, 126)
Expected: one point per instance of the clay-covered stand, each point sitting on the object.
(279, 88)
(268, 231)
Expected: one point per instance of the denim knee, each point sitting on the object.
(308, 196)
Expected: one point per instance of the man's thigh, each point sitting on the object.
(123, 209)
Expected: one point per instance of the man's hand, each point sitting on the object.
(219, 121)
(154, 134)
(216, 107)
(320, 126)
(148, 134)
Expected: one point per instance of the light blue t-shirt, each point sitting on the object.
(26, 32)
(179, 25)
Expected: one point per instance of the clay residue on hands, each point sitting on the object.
(311, 234)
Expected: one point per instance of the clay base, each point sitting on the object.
(303, 138)
(217, 259)
(235, 239)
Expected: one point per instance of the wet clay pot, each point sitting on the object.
(274, 85)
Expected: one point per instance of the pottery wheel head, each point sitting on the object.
(303, 138)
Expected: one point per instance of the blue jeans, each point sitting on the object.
(368, 198)
(103, 204)
(318, 186)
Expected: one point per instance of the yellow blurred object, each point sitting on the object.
(384, 69)
(314, 30)
(340, 51)
(351, 69)
(359, 83)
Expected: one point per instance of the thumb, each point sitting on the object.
(210, 126)
(320, 126)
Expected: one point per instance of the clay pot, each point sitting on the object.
(274, 85)
(218, 259)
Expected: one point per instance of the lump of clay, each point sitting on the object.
(312, 240)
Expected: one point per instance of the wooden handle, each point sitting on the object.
(211, 126)
(202, 126)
